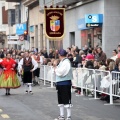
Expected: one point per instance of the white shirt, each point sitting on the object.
(20, 64)
(63, 68)
(114, 58)
(41, 60)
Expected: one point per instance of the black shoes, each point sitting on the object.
(7, 94)
(31, 92)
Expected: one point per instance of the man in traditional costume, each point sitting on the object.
(8, 78)
(26, 66)
(64, 76)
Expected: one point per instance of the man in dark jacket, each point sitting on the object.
(78, 59)
(101, 55)
(45, 54)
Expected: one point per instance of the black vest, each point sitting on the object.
(27, 64)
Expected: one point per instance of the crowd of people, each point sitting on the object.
(92, 58)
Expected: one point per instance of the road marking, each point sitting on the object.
(5, 116)
(1, 110)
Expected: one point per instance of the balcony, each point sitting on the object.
(28, 3)
(48, 3)
(13, 0)
(66, 2)
(58, 2)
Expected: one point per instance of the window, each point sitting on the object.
(12, 17)
(4, 16)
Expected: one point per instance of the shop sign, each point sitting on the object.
(93, 24)
(93, 20)
(21, 28)
(54, 23)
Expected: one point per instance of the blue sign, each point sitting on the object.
(21, 28)
(81, 24)
(31, 28)
(94, 18)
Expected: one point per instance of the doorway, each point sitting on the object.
(72, 38)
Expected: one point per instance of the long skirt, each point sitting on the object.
(9, 79)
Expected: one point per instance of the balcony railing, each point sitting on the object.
(13, 0)
(67, 3)
(58, 2)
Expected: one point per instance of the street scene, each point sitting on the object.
(59, 59)
(42, 105)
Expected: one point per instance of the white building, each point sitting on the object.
(3, 25)
(17, 14)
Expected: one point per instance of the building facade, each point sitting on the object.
(17, 17)
(76, 33)
(79, 29)
(3, 25)
(107, 36)
(35, 25)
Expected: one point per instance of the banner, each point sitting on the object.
(54, 23)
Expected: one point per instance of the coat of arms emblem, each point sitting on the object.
(54, 23)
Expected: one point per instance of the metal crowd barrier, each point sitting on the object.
(88, 80)
(115, 84)
(47, 74)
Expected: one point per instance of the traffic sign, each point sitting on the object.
(21, 37)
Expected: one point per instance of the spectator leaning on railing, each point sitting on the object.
(101, 55)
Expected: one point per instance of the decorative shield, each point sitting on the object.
(54, 23)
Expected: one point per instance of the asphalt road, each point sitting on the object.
(42, 105)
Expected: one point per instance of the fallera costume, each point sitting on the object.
(8, 78)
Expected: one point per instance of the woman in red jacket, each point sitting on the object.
(8, 78)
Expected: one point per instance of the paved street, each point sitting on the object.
(42, 105)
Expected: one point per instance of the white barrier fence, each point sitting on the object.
(47, 74)
(88, 79)
(115, 84)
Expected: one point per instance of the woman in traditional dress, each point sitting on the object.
(8, 78)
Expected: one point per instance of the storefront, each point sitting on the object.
(91, 30)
